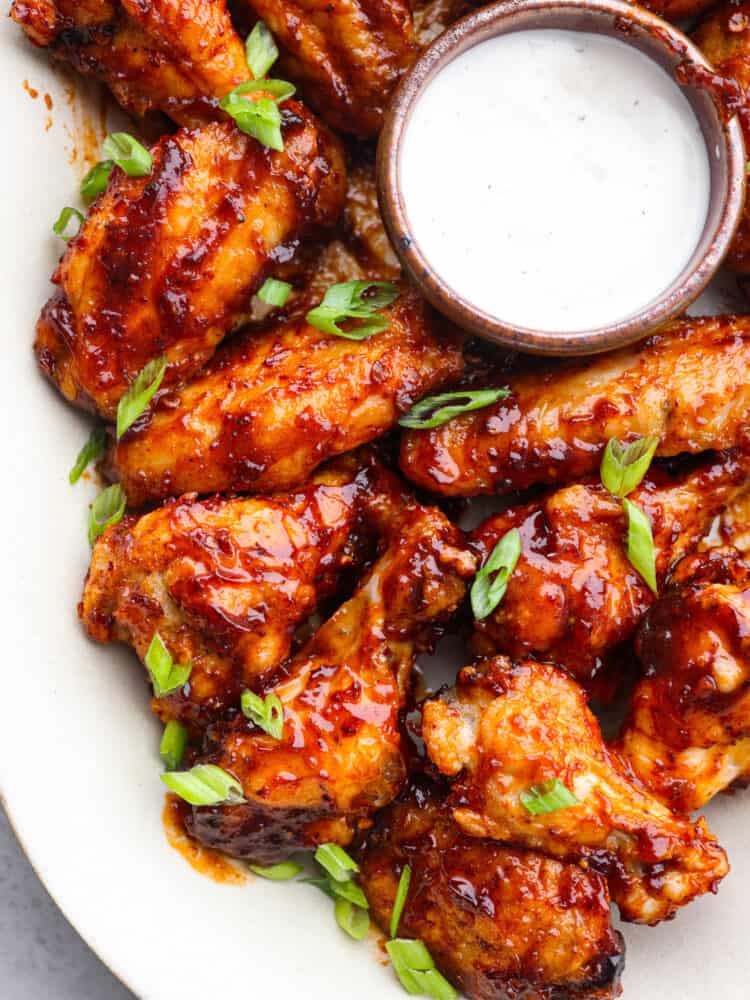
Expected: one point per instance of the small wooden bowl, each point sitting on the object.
(658, 40)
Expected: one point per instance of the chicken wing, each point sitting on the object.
(574, 596)
(733, 527)
(507, 729)
(687, 736)
(166, 264)
(553, 427)
(340, 756)
(225, 582)
(270, 407)
(346, 55)
(175, 56)
(500, 922)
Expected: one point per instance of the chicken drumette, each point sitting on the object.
(340, 757)
(554, 425)
(574, 596)
(506, 730)
(167, 264)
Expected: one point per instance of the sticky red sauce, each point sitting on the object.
(31, 91)
(204, 860)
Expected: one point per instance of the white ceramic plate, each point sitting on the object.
(79, 770)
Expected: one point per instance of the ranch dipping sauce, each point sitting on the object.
(558, 180)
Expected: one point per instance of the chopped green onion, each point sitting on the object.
(415, 968)
(107, 509)
(340, 890)
(96, 181)
(166, 675)
(348, 300)
(260, 50)
(623, 468)
(128, 154)
(204, 785)
(259, 116)
(334, 859)
(491, 582)
(267, 714)
(91, 450)
(63, 220)
(401, 894)
(640, 543)
(547, 797)
(434, 411)
(282, 872)
(280, 90)
(274, 292)
(140, 393)
(173, 743)
(351, 919)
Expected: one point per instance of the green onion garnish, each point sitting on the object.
(140, 393)
(260, 50)
(340, 890)
(107, 509)
(415, 968)
(63, 220)
(166, 675)
(334, 859)
(354, 300)
(91, 450)
(351, 919)
(282, 872)
(491, 582)
(274, 292)
(434, 411)
(204, 785)
(401, 894)
(96, 181)
(267, 713)
(547, 797)
(259, 116)
(640, 543)
(128, 154)
(623, 468)
(173, 743)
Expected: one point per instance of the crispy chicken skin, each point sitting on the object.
(724, 38)
(506, 728)
(555, 425)
(175, 56)
(166, 264)
(270, 407)
(340, 757)
(574, 596)
(501, 923)
(687, 736)
(225, 582)
(346, 55)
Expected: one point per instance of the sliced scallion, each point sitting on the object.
(107, 509)
(547, 797)
(140, 394)
(491, 582)
(128, 154)
(434, 411)
(166, 675)
(91, 450)
(204, 785)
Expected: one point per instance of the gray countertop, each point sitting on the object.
(40, 953)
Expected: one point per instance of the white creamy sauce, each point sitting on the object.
(556, 179)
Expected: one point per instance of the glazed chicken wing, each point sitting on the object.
(500, 923)
(175, 56)
(687, 736)
(506, 729)
(553, 427)
(270, 407)
(225, 582)
(340, 756)
(574, 596)
(346, 55)
(167, 264)
(733, 527)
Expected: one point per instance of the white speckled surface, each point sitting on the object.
(40, 953)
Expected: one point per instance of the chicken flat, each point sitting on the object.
(554, 426)
(507, 729)
(167, 264)
(574, 597)
(500, 922)
(270, 407)
(340, 756)
(174, 56)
